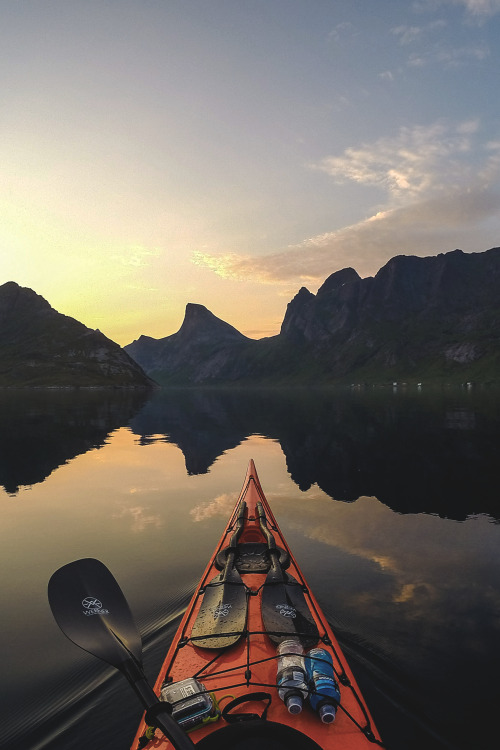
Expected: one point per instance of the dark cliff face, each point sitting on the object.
(423, 318)
(41, 347)
(202, 326)
(202, 350)
(332, 310)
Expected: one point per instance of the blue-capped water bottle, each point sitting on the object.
(291, 676)
(324, 695)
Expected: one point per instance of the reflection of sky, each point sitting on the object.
(416, 591)
(423, 567)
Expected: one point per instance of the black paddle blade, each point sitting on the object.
(222, 617)
(91, 610)
(285, 613)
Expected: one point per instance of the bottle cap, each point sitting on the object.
(294, 704)
(327, 713)
(292, 645)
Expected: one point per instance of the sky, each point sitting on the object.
(228, 152)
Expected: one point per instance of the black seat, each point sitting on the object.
(258, 733)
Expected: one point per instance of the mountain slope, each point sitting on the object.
(203, 347)
(434, 318)
(427, 317)
(41, 347)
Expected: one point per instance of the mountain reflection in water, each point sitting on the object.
(43, 429)
(416, 452)
(388, 500)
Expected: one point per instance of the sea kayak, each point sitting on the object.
(254, 663)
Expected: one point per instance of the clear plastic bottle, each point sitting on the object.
(291, 676)
(325, 694)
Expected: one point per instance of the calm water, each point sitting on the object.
(389, 501)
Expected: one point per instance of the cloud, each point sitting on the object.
(407, 34)
(342, 31)
(136, 256)
(220, 506)
(478, 10)
(453, 57)
(417, 161)
(431, 47)
(437, 198)
(139, 518)
(423, 228)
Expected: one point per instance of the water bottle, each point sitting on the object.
(325, 694)
(291, 677)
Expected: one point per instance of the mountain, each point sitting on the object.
(203, 346)
(435, 318)
(41, 347)
(418, 317)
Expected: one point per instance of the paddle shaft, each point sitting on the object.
(285, 612)
(150, 701)
(108, 632)
(271, 542)
(238, 525)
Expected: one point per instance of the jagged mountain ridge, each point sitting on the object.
(41, 347)
(432, 318)
(430, 315)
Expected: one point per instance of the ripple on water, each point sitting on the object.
(93, 703)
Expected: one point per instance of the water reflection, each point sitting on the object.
(414, 598)
(42, 429)
(416, 452)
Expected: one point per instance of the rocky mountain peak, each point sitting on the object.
(434, 317)
(200, 324)
(15, 300)
(339, 279)
(41, 347)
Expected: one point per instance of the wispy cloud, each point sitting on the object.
(417, 161)
(137, 256)
(480, 8)
(437, 191)
(342, 31)
(475, 9)
(407, 34)
(428, 45)
(219, 506)
(452, 57)
(139, 518)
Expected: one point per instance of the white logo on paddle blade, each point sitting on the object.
(222, 610)
(93, 606)
(286, 610)
(91, 601)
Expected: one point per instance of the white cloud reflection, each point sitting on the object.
(220, 506)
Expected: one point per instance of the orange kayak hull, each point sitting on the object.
(250, 665)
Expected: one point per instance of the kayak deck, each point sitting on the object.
(248, 664)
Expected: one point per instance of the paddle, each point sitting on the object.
(284, 609)
(91, 610)
(222, 617)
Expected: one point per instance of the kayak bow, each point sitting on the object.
(224, 653)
